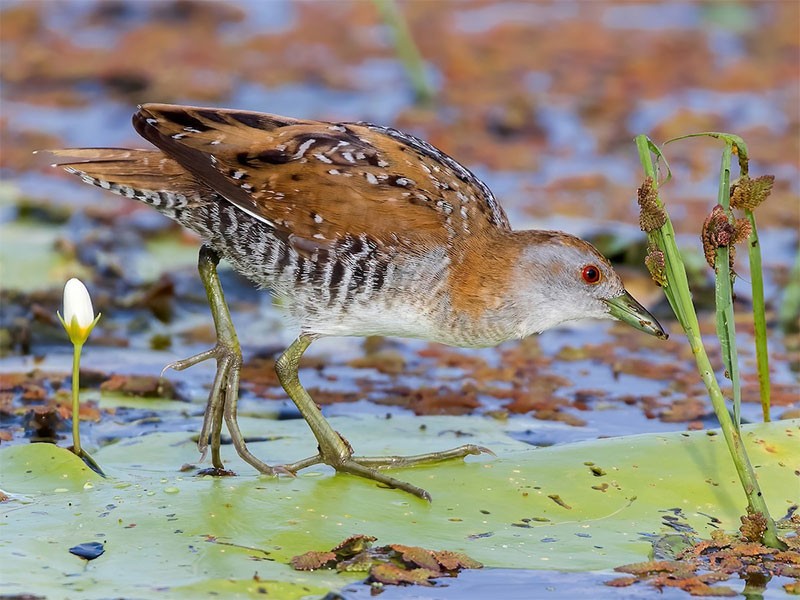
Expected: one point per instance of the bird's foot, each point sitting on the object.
(222, 403)
(369, 466)
(224, 395)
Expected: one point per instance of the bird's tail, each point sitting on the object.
(146, 175)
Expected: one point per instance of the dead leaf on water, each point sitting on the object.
(393, 564)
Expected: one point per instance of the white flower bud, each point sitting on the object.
(79, 318)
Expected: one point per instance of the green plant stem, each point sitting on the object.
(757, 279)
(677, 290)
(759, 314)
(723, 286)
(789, 311)
(679, 296)
(76, 402)
(757, 291)
(407, 50)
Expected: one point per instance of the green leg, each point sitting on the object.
(336, 451)
(224, 395)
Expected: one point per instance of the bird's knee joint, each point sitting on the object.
(208, 256)
(286, 368)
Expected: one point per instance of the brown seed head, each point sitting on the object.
(753, 526)
(655, 263)
(717, 232)
(651, 214)
(743, 229)
(747, 193)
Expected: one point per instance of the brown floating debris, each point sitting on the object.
(393, 564)
(710, 561)
(557, 499)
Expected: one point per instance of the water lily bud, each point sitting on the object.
(79, 318)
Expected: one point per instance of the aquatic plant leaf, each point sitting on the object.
(353, 545)
(186, 531)
(652, 566)
(392, 574)
(313, 560)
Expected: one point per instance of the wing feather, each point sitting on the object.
(321, 181)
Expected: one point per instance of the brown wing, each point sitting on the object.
(320, 181)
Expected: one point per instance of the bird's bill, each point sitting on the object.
(625, 308)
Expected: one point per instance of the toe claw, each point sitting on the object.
(282, 470)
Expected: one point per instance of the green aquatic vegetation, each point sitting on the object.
(720, 232)
(407, 51)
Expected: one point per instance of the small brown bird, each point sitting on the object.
(359, 230)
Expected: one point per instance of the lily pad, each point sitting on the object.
(188, 532)
(28, 261)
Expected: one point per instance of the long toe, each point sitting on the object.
(185, 363)
(421, 459)
(354, 468)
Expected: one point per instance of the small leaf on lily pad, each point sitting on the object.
(311, 561)
(452, 561)
(749, 549)
(145, 386)
(88, 550)
(558, 500)
(417, 556)
(390, 574)
(701, 589)
(353, 545)
(652, 566)
(718, 559)
(393, 564)
(360, 563)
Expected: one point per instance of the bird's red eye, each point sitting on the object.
(591, 274)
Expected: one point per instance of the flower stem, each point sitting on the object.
(76, 402)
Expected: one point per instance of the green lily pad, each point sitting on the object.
(583, 506)
(28, 260)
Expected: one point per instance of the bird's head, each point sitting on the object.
(564, 278)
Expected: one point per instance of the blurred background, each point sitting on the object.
(540, 99)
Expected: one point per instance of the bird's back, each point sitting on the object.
(360, 229)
